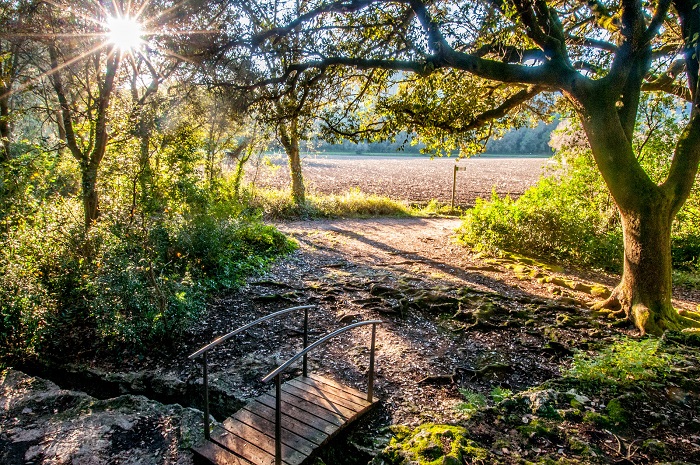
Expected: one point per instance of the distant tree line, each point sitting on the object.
(524, 140)
(520, 141)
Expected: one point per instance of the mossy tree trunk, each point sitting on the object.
(289, 137)
(646, 209)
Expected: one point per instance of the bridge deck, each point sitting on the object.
(314, 409)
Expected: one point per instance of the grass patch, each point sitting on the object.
(277, 205)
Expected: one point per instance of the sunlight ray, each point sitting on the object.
(84, 16)
(51, 71)
(170, 53)
(164, 12)
(141, 9)
(51, 35)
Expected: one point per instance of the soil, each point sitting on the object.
(412, 179)
(451, 321)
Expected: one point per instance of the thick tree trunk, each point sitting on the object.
(647, 211)
(298, 189)
(644, 292)
(5, 130)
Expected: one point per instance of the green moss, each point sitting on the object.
(595, 418)
(431, 444)
(616, 413)
(538, 428)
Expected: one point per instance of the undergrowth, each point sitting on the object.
(625, 362)
(277, 204)
(130, 283)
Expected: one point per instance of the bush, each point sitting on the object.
(569, 215)
(129, 284)
(559, 220)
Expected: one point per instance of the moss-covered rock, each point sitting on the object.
(431, 444)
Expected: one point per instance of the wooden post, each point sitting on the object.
(454, 188)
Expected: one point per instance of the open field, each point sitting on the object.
(413, 179)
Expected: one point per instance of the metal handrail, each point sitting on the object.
(277, 375)
(203, 352)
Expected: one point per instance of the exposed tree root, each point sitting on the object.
(618, 305)
(612, 303)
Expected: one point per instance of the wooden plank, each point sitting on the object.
(314, 409)
(290, 456)
(242, 447)
(304, 410)
(317, 433)
(214, 453)
(357, 397)
(342, 387)
(322, 401)
(327, 392)
(267, 427)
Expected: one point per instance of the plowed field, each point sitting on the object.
(413, 179)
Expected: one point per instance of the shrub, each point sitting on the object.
(569, 215)
(625, 362)
(128, 284)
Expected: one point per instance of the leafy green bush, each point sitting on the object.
(131, 284)
(625, 362)
(560, 219)
(569, 215)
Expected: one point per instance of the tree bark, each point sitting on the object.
(647, 211)
(290, 142)
(5, 131)
(645, 290)
(89, 193)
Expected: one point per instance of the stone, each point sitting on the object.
(47, 424)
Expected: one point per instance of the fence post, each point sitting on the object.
(205, 370)
(454, 187)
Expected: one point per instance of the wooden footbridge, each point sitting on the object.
(288, 423)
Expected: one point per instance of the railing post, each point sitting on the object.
(278, 420)
(370, 381)
(305, 370)
(205, 370)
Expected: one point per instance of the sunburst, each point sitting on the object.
(125, 32)
(117, 27)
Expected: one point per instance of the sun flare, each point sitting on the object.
(126, 33)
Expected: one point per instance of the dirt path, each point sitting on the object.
(440, 306)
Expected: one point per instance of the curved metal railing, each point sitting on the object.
(216, 342)
(277, 375)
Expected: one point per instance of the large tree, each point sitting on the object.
(600, 55)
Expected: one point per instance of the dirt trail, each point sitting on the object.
(439, 303)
